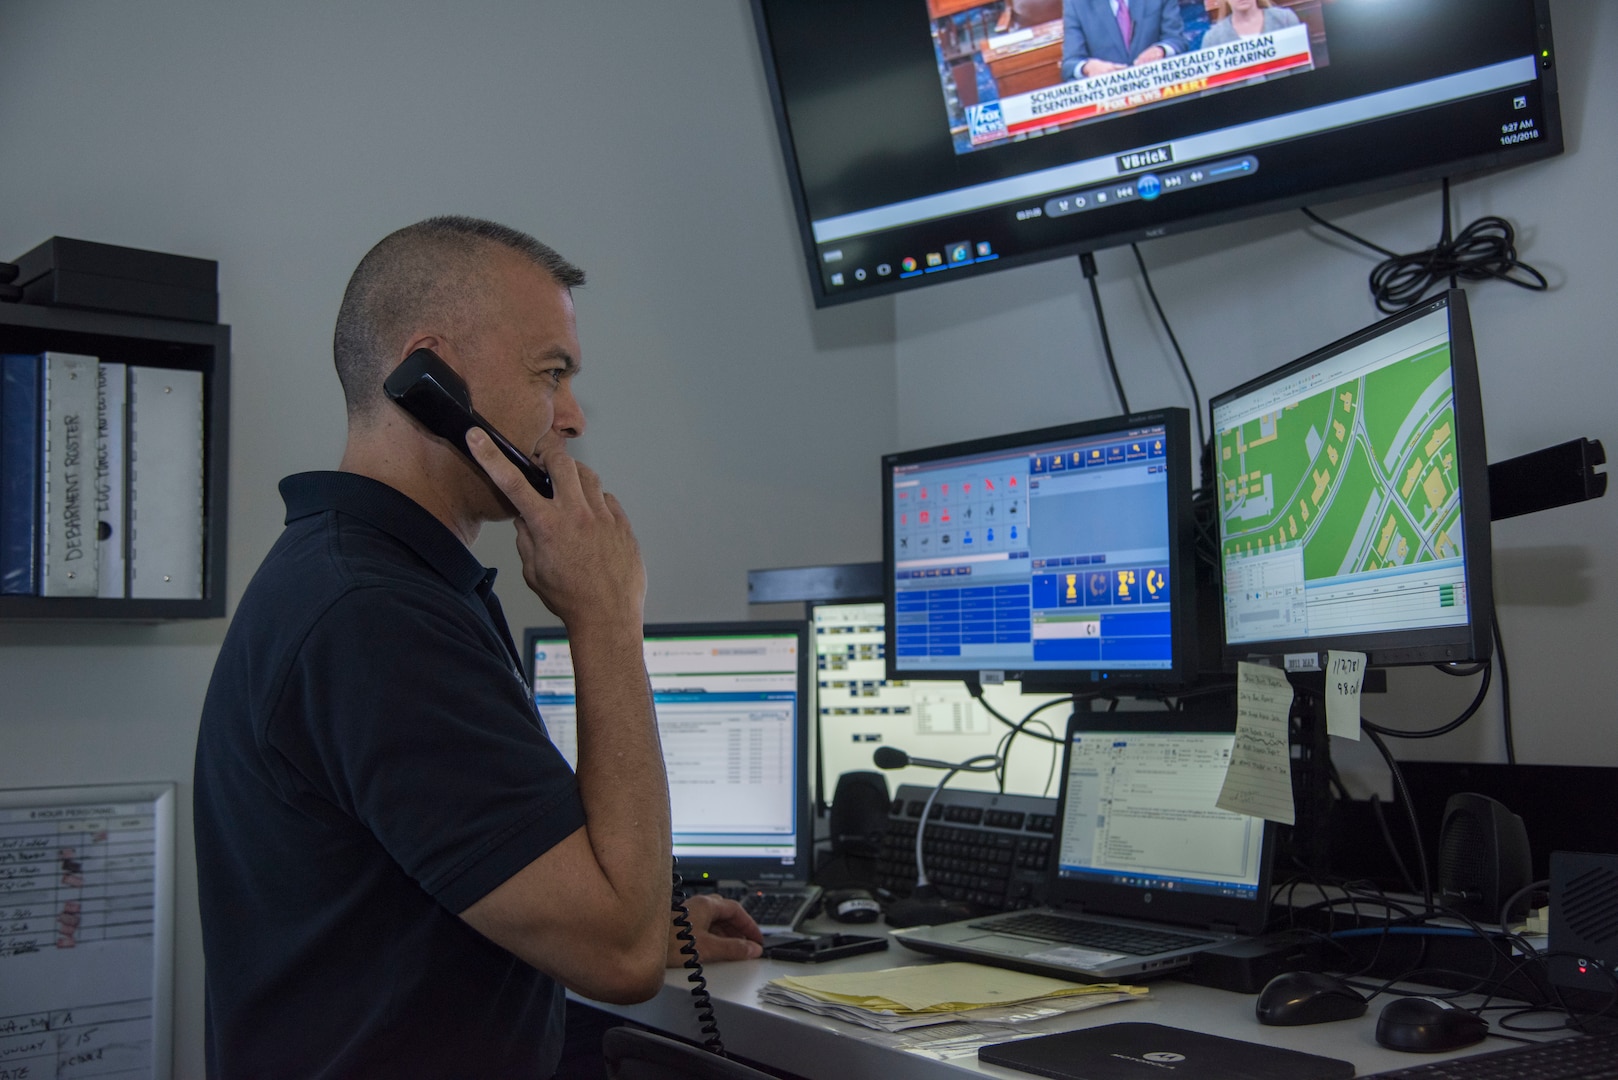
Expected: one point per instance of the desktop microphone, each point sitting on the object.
(926, 906)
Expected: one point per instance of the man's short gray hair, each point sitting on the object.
(434, 270)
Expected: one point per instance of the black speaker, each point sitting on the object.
(1584, 920)
(859, 814)
(1483, 856)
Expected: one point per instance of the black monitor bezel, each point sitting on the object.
(1182, 589)
(740, 869)
(1166, 905)
(1438, 645)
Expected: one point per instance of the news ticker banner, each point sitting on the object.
(1284, 50)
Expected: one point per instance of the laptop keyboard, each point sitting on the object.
(1129, 940)
(1593, 1057)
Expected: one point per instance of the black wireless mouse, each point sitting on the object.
(1294, 998)
(1420, 1025)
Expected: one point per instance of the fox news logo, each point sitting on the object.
(986, 122)
(1145, 159)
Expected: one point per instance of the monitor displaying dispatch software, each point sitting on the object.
(1353, 497)
(858, 708)
(730, 701)
(1060, 557)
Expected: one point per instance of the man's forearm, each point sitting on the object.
(622, 780)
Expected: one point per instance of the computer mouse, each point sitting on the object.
(852, 906)
(1293, 998)
(1422, 1025)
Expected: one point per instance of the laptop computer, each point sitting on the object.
(732, 713)
(1145, 872)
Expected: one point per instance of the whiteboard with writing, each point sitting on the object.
(86, 932)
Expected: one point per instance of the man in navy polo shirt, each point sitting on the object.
(397, 870)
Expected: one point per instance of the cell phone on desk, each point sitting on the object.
(816, 948)
(430, 390)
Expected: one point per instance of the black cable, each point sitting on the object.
(1445, 729)
(1505, 684)
(1387, 838)
(1505, 908)
(975, 688)
(1410, 808)
(1004, 748)
(1196, 395)
(1087, 263)
(708, 1026)
(1485, 249)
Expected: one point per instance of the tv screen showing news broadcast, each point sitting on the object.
(930, 140)
(1080, 69)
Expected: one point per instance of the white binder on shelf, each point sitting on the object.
(67, 523)
(112, 446)
(165, 467)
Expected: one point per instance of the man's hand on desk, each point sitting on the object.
(722, 929)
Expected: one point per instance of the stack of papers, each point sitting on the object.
(898, 998)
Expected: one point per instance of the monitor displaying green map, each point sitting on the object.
(1349, 503)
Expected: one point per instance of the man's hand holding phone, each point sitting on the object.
(579, 554)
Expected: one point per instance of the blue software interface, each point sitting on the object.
(1051, 556)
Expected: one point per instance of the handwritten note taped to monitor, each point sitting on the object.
(1258, 781)
(1344, 673)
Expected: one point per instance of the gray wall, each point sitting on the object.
(1020, 349)
(739, 427)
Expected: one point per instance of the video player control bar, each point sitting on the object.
(1151, 186)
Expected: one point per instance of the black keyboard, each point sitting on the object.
(985, 849)
(1591, 1057)
(776, 908)
(1129, 940)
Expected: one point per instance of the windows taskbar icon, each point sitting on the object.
(959, 253)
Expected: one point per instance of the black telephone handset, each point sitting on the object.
(430, 390)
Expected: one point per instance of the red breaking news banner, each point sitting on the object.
(1162, 80)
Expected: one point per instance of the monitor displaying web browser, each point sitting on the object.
(730, 701)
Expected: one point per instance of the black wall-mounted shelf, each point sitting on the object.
(135, 339)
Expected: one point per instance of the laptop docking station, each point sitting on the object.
(1245, 966)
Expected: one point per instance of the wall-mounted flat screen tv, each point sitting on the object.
(928, 140)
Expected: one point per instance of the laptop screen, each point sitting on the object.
(729, 699)
(1138, 831)
(1138, 813)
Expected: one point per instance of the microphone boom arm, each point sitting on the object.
(981, 763)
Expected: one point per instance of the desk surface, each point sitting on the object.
(814, 1047)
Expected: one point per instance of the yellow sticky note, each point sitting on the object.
(1345, 671)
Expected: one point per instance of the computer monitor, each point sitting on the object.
(730, 701)
(1060, 557)
(859, 709)
(931, 142)
(1353, 500)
